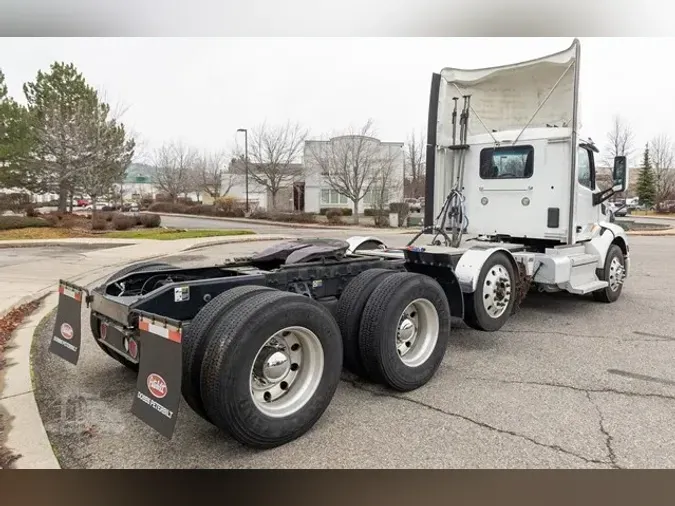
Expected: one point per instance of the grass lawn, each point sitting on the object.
(41, 233)
(169, 234)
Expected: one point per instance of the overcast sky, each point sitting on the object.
(200, 90)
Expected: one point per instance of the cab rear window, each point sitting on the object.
(510, 162)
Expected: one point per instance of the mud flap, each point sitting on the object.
(67, 332)
(158, 391)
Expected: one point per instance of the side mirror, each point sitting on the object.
(619, 174)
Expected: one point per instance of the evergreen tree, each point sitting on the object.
(15, 139)
(645, 183)
(78, 147)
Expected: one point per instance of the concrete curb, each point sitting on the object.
(649, 216)
(249, 221)
(41, 243)
(652, 233)
(27, 435)
(112, 243)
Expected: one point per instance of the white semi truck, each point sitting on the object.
(507, 164)
(256, 346)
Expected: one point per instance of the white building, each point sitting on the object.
(306, 188)
(334, 154)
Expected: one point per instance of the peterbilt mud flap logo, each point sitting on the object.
(156, 386)
(66, 335)
(158, 390)
(67, 331)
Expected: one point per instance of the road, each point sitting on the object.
(567, 383)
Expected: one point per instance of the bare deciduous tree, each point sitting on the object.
(620, 140)
(662, 154)
(414, 159)
(385, 184)
(174, 168)
(274, 154)
(211, 175)
(350, 163)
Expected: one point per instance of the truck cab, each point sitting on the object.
(522, 170)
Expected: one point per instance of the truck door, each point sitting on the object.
(586, 212)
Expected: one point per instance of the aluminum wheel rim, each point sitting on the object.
(286, 372)
(496, 291)
(417, 332)
(616, 274)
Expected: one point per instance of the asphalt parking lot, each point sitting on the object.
(567, 383)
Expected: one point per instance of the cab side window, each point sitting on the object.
(585, 168)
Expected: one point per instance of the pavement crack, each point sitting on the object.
(557, 448)
(608, 437)
(627, 393)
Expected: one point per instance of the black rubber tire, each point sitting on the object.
(95, 323)
(607, 294)
(197, 336)
(475, 315)
(379, 326)
(226, 370)
(348, 315)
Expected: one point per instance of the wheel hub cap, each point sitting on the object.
(617, 274)
(276, 367)
(407, 333)
(417, 332)
(496, 291)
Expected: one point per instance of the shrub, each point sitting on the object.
(346, 211)
(16, 222)
(106, 215)
(402, 209)
(14, 202)
(151, 220)
(227, 203)
(382, 220)
(202, 210)
(51, 219)
(146, 202)
(98, 223)
(237, 212)
(334, 216)
(138, 218)
(290, 217)
(63, 220)
(31, 212)
(168, 207)
(375, 212)
(123, 222)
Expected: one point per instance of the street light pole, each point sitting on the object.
(245, 160)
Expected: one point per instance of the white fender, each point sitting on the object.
(358, 240)
(470, 264)
(600, 244)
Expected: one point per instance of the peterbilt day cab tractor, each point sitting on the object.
(256, 346)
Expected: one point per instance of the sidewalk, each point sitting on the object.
(356, 229)
(34, 279)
